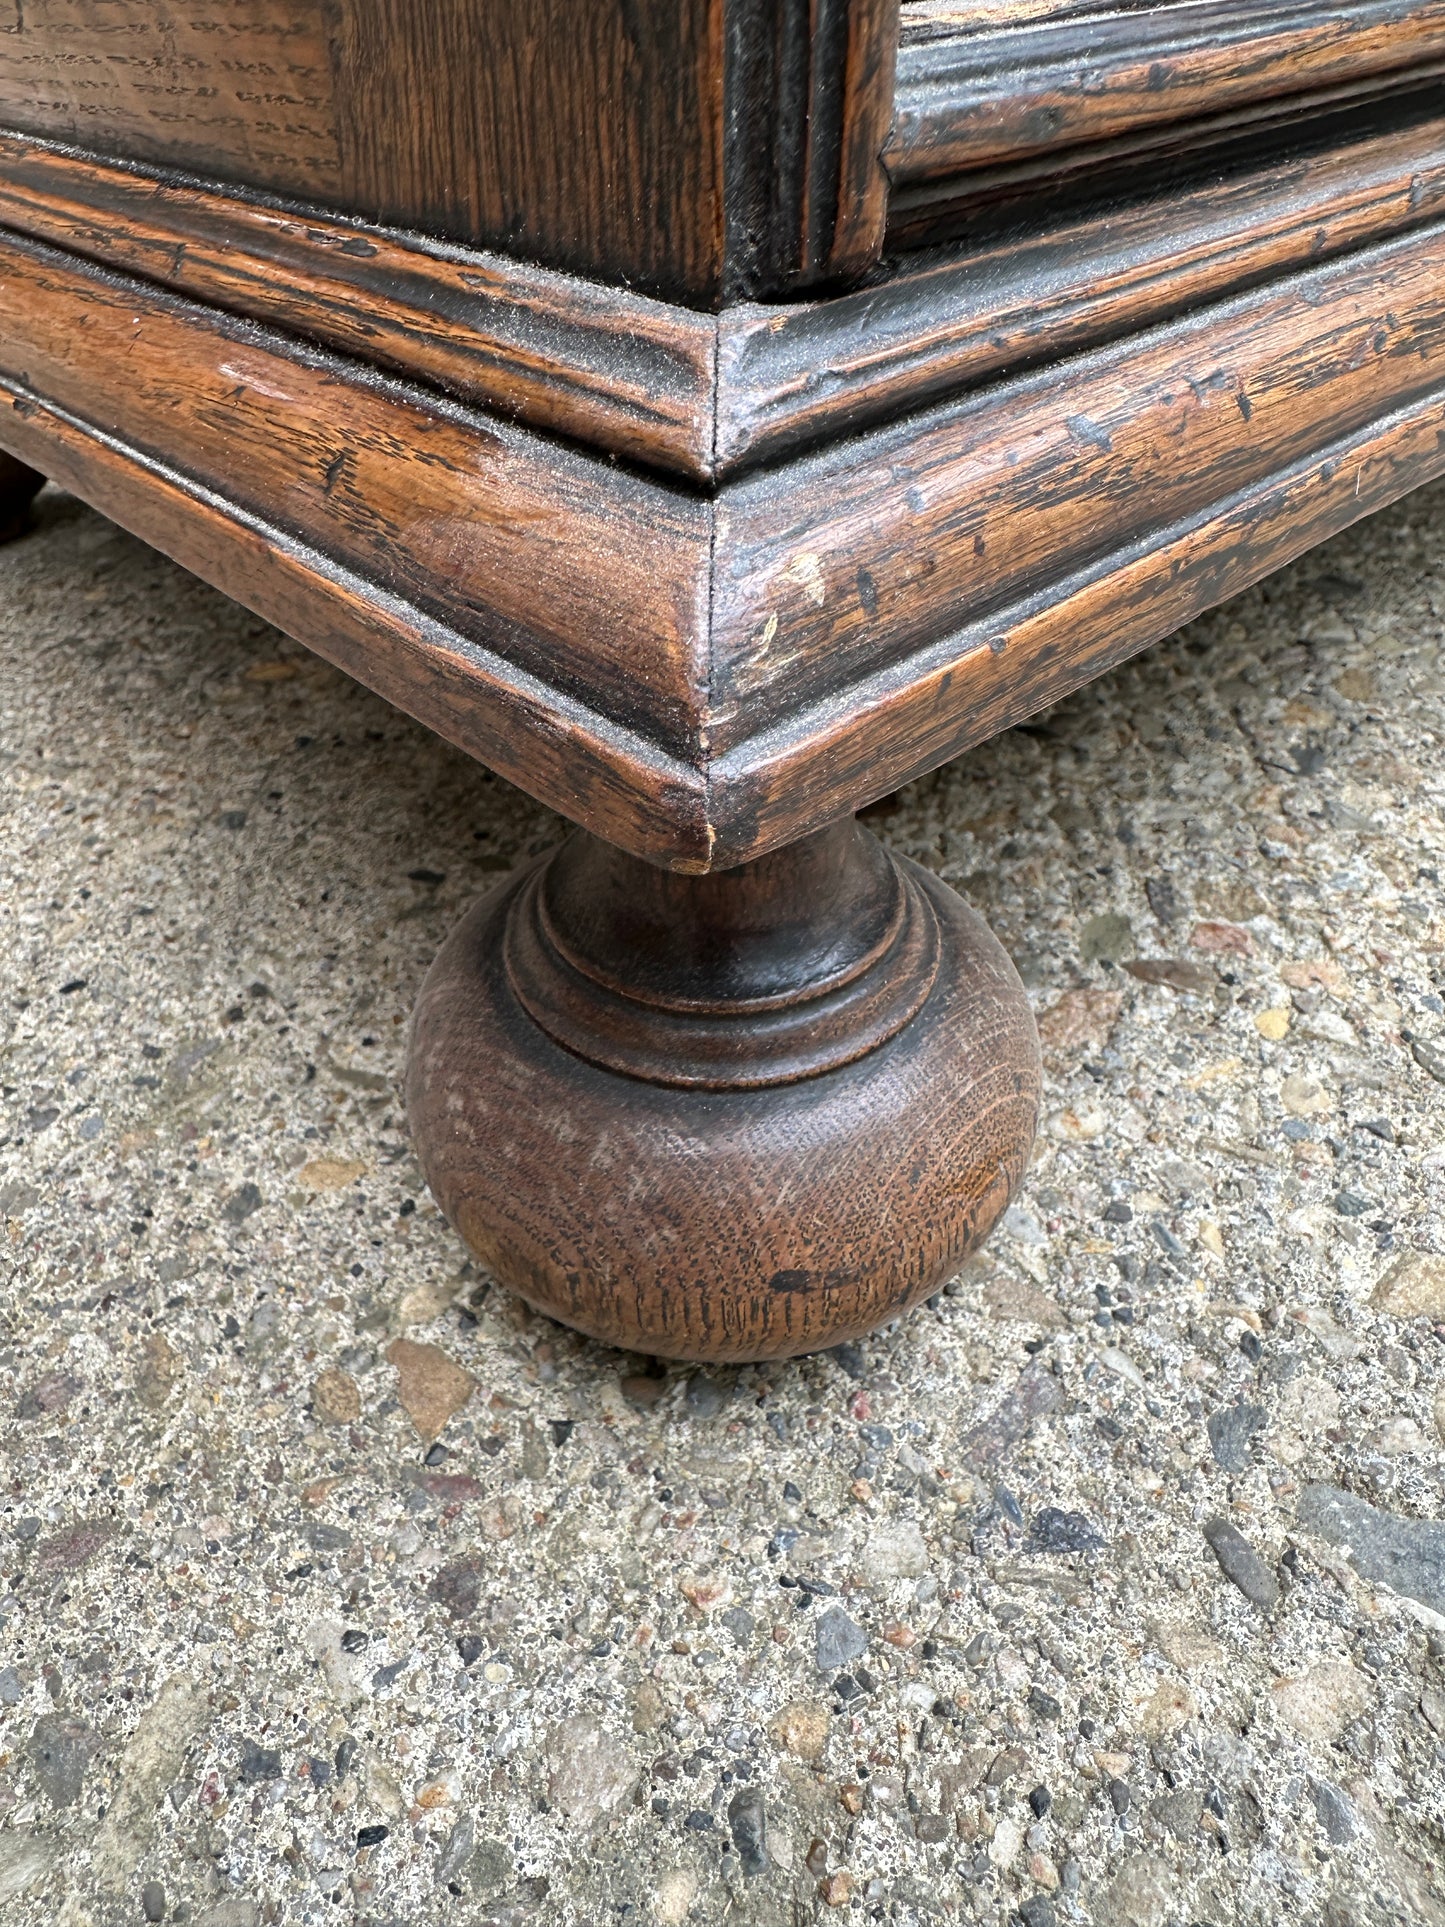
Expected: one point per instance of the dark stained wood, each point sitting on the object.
(719, 983)
(700, 149)
(809, 102)
(707, 397)
(633, 375)
(707, 573)
(239, 89)
(873, 550)
(1023, 294)
(472, 521)
(612, 778)
(780, 1202)
(749, 665)
(907, 719)
(967, 98)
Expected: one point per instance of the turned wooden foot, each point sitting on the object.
(736, 1116)
(19, 486)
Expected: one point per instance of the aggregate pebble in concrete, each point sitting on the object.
(339, 1588)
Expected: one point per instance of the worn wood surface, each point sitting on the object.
(534, 733)
(707, 397)
(876, 548)
(968, 98)
(749, 664)
(1020, 293)
(695, 148)
(909, 717)
(735, 1220)
(473, 521)
(240, 89)
(633, 375)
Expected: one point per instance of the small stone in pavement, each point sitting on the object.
(1413, 1287)
(840, 1640)
(704, 1397)
(1230, 1431)
(1240, 1563)
(431, 1386)
(1407, 1555)
(1334, 1813)
(258, 1763)
(153, 1900)
(59, 1750)
(1057, 1531)
(748, 1819)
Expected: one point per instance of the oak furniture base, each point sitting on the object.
(739, 1116)
(713, 415)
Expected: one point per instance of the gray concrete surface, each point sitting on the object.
(337, 1587)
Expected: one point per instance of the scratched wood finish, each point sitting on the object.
(538, 735)
(708, 397)
(473, 521)
(968, 98)
(241, 89)
(731, 1220)
(1020, 293)
(601, 365)
(762, 660)
(695, 148)
(832, 565)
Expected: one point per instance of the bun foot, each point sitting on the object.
(738, 1116)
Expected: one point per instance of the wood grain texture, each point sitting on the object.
(699, 149)
(883, 545)
(1025, 293)
(242, 89)
(726, 673)
(809, 91)
(908, 718)
(733, 1222)
(539, 736)
(598, 364)
(967, 98)
(473, 521)
(707, 397)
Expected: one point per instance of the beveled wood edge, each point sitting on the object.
(946, 326)
(700, 396)
(913, 716)
(967, 99)
(599, 364)
(799, 755)
(869, 551)
(925, 216)
(615, 781)
(584, 573)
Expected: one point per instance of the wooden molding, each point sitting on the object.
(707, 397)
(703, 677)
(703, 150)
(974, 92)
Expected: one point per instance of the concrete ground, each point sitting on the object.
(339, 1588)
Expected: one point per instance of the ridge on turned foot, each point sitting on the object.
(737, 1116)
